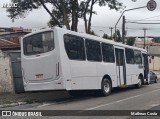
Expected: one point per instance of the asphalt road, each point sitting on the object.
(145, 98)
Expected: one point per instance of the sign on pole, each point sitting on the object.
(151, 5)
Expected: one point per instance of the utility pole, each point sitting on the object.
(121, 16)
(144, 29)
(111, 28)
(123, 30)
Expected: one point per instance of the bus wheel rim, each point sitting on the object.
(106, 87)
(139, 83)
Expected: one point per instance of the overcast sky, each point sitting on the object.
(104, 19)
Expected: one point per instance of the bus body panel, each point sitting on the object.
(42, 71)
(131, 71)
(65, 64)
(84, 75)
(107, 69)
(45, 86)
(41, 66)
(77, 74)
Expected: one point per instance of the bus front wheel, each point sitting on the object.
(106, 87)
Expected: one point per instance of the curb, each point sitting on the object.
(12, 104)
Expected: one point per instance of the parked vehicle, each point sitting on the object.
(60, 59)
(153, 77)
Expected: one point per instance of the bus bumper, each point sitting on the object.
(52, 85)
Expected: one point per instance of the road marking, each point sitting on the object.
(99, 106)
(46, 104)
(154, 105)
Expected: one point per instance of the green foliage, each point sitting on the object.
(93, 33)
(23, 8)
(156, 40)
(130, 41)
(59, 15)
(87, 6)
(64, 12)
(105, 36)
(118, 36)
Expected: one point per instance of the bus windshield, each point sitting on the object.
(38, 43)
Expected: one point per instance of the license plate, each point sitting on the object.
(39, 75)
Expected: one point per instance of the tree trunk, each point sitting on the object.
(74, 15)
(84, 15)
(65, 17)
(41, 1)
(90, 17)
(76, 20)
(85, 23)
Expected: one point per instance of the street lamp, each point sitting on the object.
(122, 15)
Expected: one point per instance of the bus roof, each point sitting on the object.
(100, 39)
(87, 36)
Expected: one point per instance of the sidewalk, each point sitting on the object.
(10, 99)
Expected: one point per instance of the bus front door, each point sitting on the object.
(145, 67)
(120, 67)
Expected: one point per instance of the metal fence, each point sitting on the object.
(15, 57)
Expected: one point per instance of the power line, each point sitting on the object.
(97, 26)
(142, 23)
(143, 20)
(146, 18)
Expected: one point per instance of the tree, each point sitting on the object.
(93, 33)
(64, 12)
(87, 6)
(156, 40)
(105, 36)
(118, 37)
(130, 41)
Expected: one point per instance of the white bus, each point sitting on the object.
(60, 59)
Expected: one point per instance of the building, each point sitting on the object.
(9, 43)
(153, 51)
(4, 30)
(10, 37)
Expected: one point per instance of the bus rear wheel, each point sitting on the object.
(139, 84)
(105, 87)
(155, 80)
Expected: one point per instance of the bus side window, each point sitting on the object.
(129, 56)
(108, 53)
(74, 47)
(93, 50)
(138, 57)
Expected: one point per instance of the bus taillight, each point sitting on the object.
(57, 69)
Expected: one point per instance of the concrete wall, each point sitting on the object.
(5, 74)
(154, 50)
(154, 64)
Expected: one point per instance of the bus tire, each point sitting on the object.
(139, 84)
(106, 87)
(147, 83)
(155, 80)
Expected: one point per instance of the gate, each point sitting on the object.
(15, 57)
